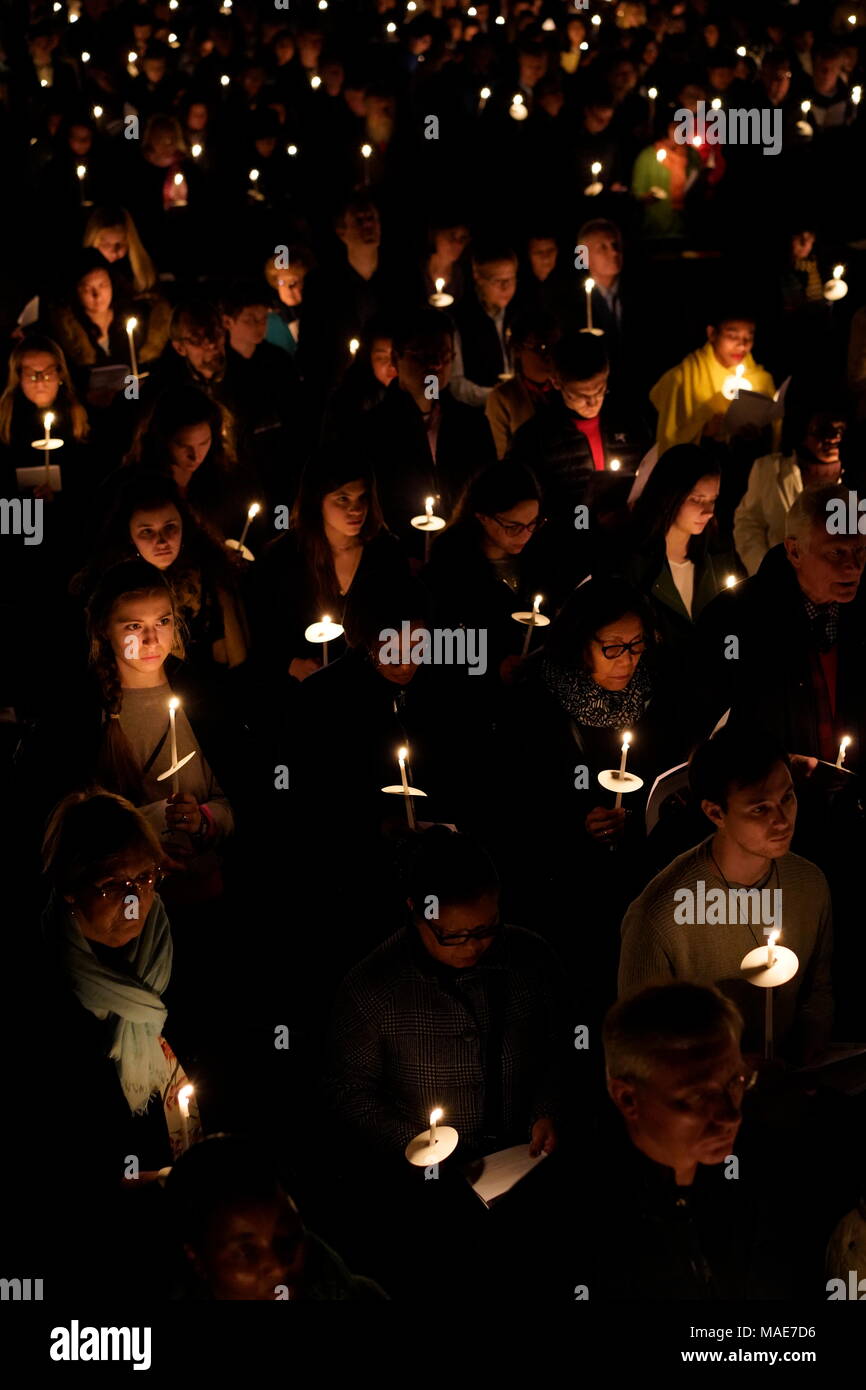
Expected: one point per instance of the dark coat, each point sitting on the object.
(770, 681)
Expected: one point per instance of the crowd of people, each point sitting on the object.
(435, 645)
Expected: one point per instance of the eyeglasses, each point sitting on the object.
(50, 374)
(514, 528)
(700, 1101)
(502, 282)
(202, 342)
(117, 889)
(612, 650)
(460, 938)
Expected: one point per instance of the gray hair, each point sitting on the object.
(809, 511)
(645, 1028)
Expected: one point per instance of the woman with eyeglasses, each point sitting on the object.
(39, 383)
(675, 557)
(108, 954)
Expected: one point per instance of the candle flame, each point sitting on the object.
(653, 93)
(436, 1116)
(48, 419)
(838, 272)
(741, 52)
(97, 112)
(626, 741)
(174, 703)
(485, 93)
(661, 156)
(614, 465)
(354, 344)
(132, 56)
(589, 284)
(292, 150)
(390, 28)
(225, 80)
(326, 621)
(315, 82)
(517, 99)
(697, 141)
(184, 1096)
(440, 285)
(131, 325)
(844, 746)
(716, 104)
(805, 107)
(595, 168)
(366, 151)
(856, 95)
(196, 151)
(537, 604)
(81, 170)
(740, 369)
(402, 754)
(731, 581)
(178, 180)
(254, 509)
(773, 937)
(428, 505)
(254, 174)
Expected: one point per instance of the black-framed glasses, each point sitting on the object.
(50, 374)
(516, 528)
(117, 889)
(612, 650)
(699, 1101)
(461, 938)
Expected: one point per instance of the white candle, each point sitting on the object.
(842, 749)
(251, 513)
(47, 421)
(589, 286)
(402, 755)
(484, 96)
(326, 623)
(173, 704)
(771, 948)
(183, 1098)
(531, 625)
(518, 110)
(131, 325)
(428, 506)
(435, 1116)
(626, 741)
(366, 152)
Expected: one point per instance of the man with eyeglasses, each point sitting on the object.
(777, 479)
(456, 1010)
(648, 1208)
(482, 346)
(197, 337)
(572, 446)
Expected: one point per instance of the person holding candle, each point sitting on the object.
(242, 1236)
(447, 244)
(89, 323)
(38, 382)
(364, 384)
(112, 231)
(261, 388)
(689, 397)
(403, 1039)
(513, 402)
(481, 345)
(337, 538)
(679, 928)
(669, 168)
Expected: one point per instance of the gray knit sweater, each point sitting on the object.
(656, 947)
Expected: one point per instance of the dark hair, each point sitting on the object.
(719, 57)
(486, 252)
(221, 1171)
(739, 755)
(177, 409)
(86, 831)
(197, 315)
(539, 323)
(668, 486)
(594, 604)
(451, 867)
(424, 326)
(371, 607)
(579, 356)
(117, 765)
(722, 312)
(248, 294)
(497, 488)
(356, 202)
(330, 470)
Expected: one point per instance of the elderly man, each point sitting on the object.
(647, 1208)
(787, 647)
(776, 480)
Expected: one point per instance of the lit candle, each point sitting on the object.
(484, 97)
(733, 385)
(225, 80)
(366, 152)
(315, 81)
(856, 95)
(97, 113)
(661, 155)
(771, 948)
(837, 287)
(326, 623)
(178, 192)
(589, 286)
(81, 171)
(173, 704)
(253, 511)
(843, 746)
(47, 421)
(730, 581)
(184, 1096)
(428, 507)
(354, 344)
(626, 741)
(196, 151)
(530, 626)
(716, 104)
(614, 465)
(518, 110)
(653, 97)
(402, 755)
(131, 325)
(435, 1116)
(441, 300)
(292, 150)
(131, 60)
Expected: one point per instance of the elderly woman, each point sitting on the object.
(109, 954)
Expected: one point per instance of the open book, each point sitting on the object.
(752, 409)
(495, 1174)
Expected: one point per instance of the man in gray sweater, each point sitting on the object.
(699, 917)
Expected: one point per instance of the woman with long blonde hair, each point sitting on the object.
(112, 231)
(39, 381)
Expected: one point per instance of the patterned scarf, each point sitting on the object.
(593, 706)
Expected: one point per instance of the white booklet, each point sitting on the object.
(495, 1174)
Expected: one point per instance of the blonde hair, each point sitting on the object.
(299, 259)
(167, 124)
(37, 342)
(103, 220)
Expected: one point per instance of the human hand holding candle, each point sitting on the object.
(182, 812)
(434, 1144)
(530, 628)
(173, 704)
(441, 300)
